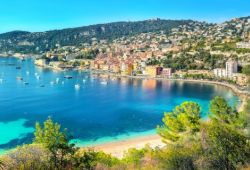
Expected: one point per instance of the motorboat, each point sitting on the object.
(19, 78)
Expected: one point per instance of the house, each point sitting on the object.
(150, 71)
(243, 45)
(158, 70)
(130, 69)
(240, 79)
(41, 62)
(166, 72)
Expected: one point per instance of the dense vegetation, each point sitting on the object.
(44, 41)
(200, 60)
(221, 142)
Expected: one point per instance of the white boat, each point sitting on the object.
(1, 81)
(68, 77)
(27, 72)
(104, 82)
(19, 78)
(52, 83)
(57, 80)
(77, 86)
(84, 81)
(38, 77)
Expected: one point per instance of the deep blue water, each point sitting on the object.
(94, 113)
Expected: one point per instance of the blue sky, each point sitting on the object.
(41, 15)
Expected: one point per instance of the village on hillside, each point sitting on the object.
(190, 51)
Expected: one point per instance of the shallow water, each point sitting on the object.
(94, 113)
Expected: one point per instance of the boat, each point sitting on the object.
(42, 86)
(52, 83)
(83, 80)
(1, 81)
(77, 86)
(18, 67)
(38, 77)
(68, 77)
(25, 83)
(57, 80)
(19, 78)
(104, 82)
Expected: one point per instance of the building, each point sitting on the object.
(220, 72)
(158, 70)
(231, 68)
(166, 72)
(41, 62)
(150, 71)
(243, 45)
(240, 79)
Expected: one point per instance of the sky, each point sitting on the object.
(43, 15)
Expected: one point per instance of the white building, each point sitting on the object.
(220, 72)
(231, 68)
(243, 45)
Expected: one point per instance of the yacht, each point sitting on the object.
(68, 77)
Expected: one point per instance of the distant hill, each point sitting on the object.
(28, 42)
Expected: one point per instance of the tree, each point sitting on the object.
(56, 141)
(30, 157)
(90, 159)
(179, 157)
(50, 134)
(221, 111)
(226, 147)
(182, 121)
(246, 70)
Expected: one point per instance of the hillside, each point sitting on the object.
(38, 42)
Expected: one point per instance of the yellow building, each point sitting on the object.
(150, 71)
(135, 66)
(41, 62)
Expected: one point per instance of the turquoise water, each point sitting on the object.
(94, 113)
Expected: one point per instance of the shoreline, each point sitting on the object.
(118, 148)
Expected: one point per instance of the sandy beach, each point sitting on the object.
(117, 149)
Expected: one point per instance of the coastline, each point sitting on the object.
(118, 148)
